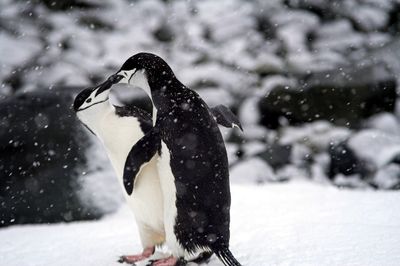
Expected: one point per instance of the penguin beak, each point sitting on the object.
(114, 79)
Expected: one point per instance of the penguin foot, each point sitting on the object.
(170, 261)
(147, 252)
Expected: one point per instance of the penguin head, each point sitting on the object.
(95, 95)
(147, 71)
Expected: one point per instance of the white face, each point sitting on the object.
(93, 99)
(137, 78)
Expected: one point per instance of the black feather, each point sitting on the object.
(226, 257)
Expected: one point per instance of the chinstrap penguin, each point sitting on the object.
(192, 164)
(118, 128)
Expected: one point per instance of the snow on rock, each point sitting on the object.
(249, 113)
(213, 74)
(254, 132)
(293, 26)
(292, 172)
(252, 170)
(233, 52)
(226, 20)
(350, 181)
(388, 177)
(343, 97)
(215, 96)
(317, 135)
(338, 36)
(369, 18)
(375, 146)
(376, 40)
(308, 62)
(301, 153)
(22, 50)
(273, 81)
(317, 171)
(264, 63)
(290, 224)
(385, 122)
(252, 148)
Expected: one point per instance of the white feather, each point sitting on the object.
(168, 188)
(139, 79)
(118, 135)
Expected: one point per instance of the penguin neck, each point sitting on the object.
(163, 95)
(140, 80)
(93, 116)
(146, 87)
(159, 88)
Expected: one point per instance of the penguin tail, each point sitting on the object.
(226, 256)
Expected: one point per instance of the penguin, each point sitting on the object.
(192, 163)
(118, 128)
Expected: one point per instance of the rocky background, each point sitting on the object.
(314, 83)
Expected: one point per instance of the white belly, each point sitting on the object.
(118, 135)
(168, 188)
(146, 200)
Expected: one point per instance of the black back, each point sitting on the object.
(145, 120)
(199, 164)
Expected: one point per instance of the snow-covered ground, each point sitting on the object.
(284, 224)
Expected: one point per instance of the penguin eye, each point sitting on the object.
(89, 100)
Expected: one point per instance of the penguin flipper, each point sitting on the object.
(140, 154)
(224, 116)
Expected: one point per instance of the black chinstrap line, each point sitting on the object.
(81, 109)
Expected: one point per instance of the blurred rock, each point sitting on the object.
(365, 15)
(369, 18)
(252, 148)
(389, 54)
(317, 136)
(23, 50)
(375, 147)
(352, 181)
(293, 29)
(164, 33)
(67, 4)
(95, 23)
(276, 155)
(252, 170)
(344, 161)
(343, 98)
(385, 122)
(338, 36)
(370, 156)
(265, 26)
(44, 161)
(279, 64)
(388, 177)
(317, 61)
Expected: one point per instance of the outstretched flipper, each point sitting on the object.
(224, 116)
(140, 154)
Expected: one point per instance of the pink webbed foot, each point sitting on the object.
(170, 261)
(147, 252)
